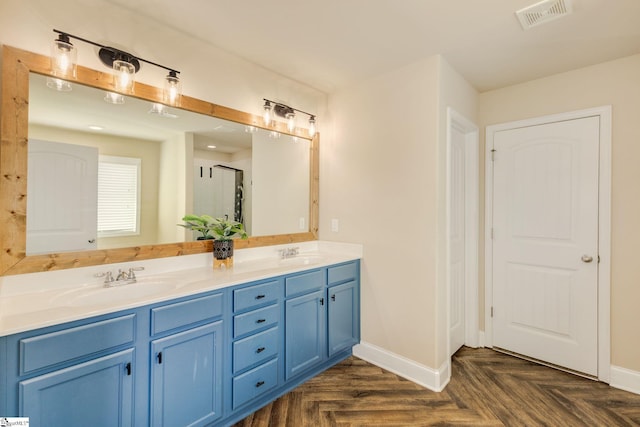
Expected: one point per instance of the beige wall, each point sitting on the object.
(382, 178)
(615, 83)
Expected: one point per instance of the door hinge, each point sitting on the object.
(493, 155)
(491, 311)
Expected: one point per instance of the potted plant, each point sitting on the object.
(199, 223)
(221, 230)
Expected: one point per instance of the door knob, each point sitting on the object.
(586, 258)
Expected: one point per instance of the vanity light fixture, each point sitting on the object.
(63, 63)
(266, 114)
(288, 113)
(124, 65)
(312, 126)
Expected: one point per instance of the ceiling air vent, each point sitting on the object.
(543, 12)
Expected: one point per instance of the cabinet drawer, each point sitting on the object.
(255, 349)
(62, 346)
(254, 383)
(255, 320)
(185, 313)
(342, 273)
(304, 283)
(256, 295)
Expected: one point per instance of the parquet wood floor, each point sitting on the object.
(487, 389)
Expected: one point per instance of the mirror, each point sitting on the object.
(18, 65)
(189, 163)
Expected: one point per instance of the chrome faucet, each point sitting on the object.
(289, 252)
(122, 278)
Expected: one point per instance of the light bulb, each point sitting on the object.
(63, 58)
(266, 115)
(172, 88)
(291, 121)
(312, 126)
(124, 76)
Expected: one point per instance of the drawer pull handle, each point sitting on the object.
(333, 297)
(260, 296)
(259, 383)
(127, 368)
(260, 350)
(160, 358)
(321, 301)
(261, 320)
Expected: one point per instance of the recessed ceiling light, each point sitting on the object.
(211, 146)
(95, 127)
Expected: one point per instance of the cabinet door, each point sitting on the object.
(94, 393)
(344, 330)
(306, 336)
(186, 377)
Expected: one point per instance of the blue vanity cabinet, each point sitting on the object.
(322, 316)
(208, 359)
(187, 361)
(95, 393)
(305, 314)
(78, 374)
(256, 351)
(343, 298)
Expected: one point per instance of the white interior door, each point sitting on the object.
(457, 240)
(62, 211)
(545, 242)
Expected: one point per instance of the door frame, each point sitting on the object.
(471, 131)
(604, 225)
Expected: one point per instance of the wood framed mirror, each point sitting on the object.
(17, 67)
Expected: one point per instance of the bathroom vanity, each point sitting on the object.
(206, 348)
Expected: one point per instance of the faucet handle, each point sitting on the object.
(132, 270)
(108, 277)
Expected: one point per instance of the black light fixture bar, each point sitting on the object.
(282, 109)
(109, 54)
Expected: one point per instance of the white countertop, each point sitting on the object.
(32, 301)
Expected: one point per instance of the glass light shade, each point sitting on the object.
(156, 109)
(123, 76)
(114, 98)
(172, 89)
(58, 84)
(266, 114)
(291, 121)
(312, 126)
(63, 59)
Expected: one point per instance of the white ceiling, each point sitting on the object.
(334, 43)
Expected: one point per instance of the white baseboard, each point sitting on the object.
(625, 379)
(433, 379)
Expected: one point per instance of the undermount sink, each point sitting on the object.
(303, 260)
(116, 294)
